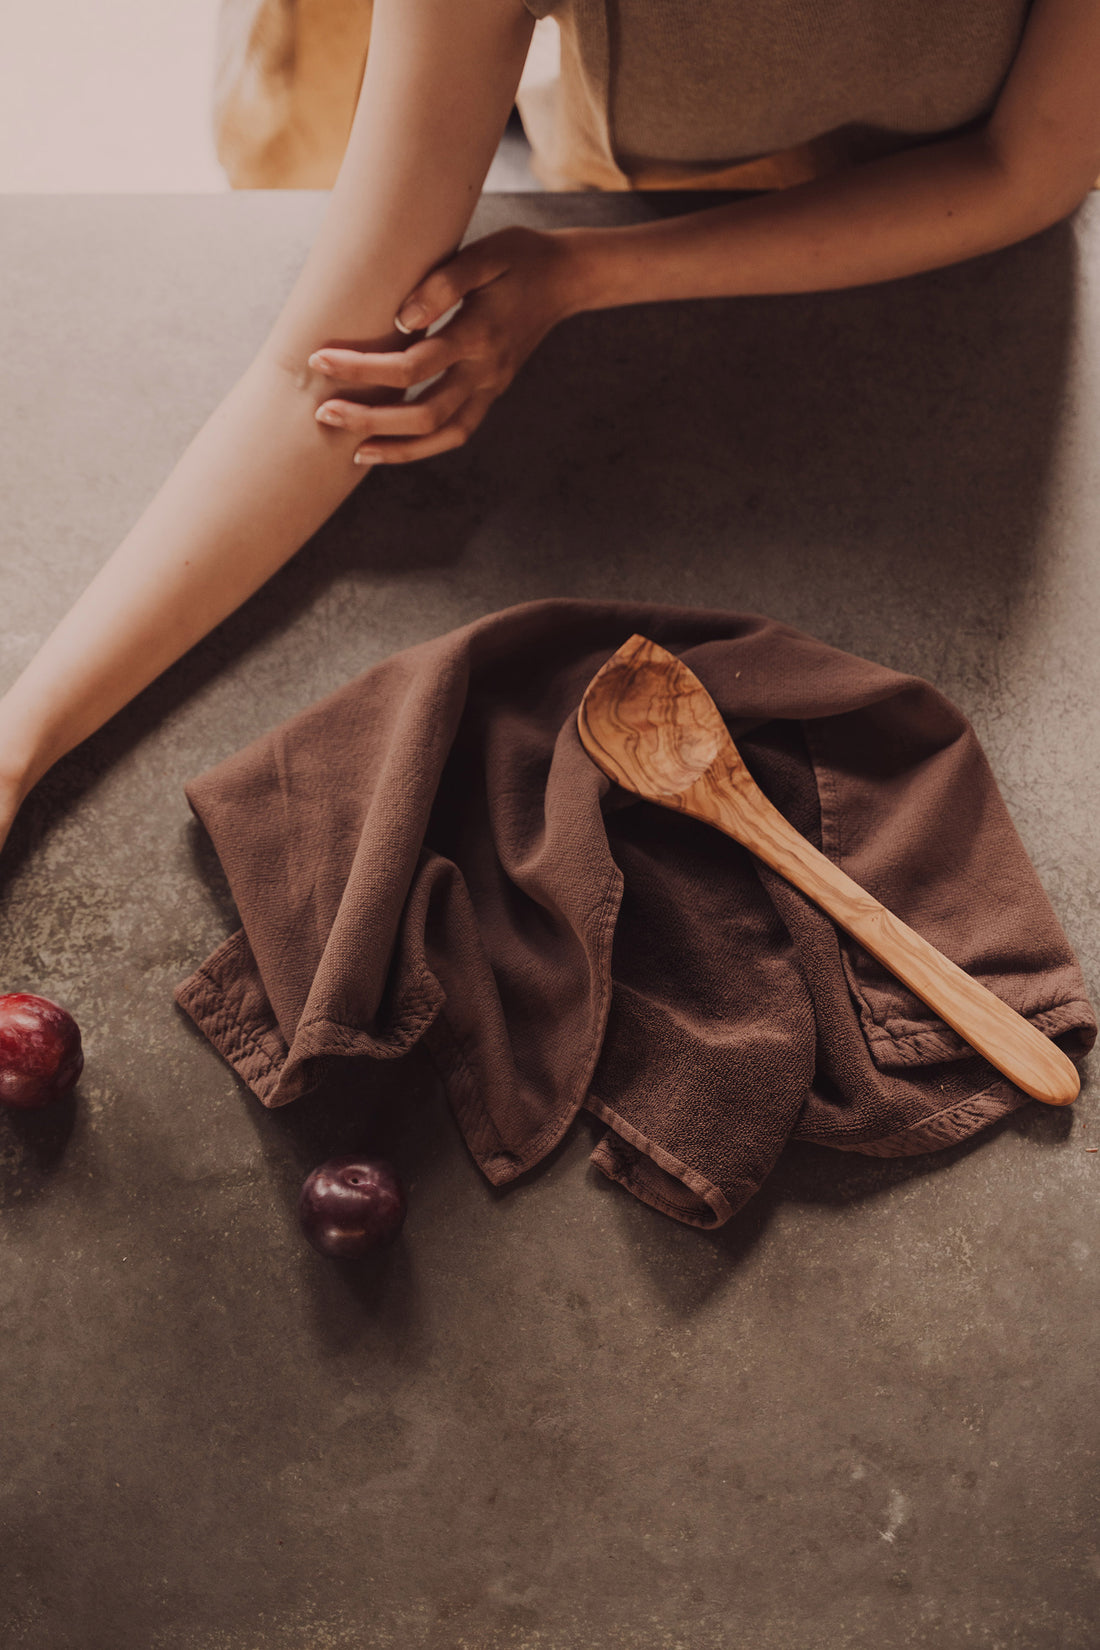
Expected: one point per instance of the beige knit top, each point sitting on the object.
(681, 93)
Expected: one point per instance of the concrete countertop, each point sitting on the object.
(861, 1416)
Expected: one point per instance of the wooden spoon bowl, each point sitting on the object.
(653, 728)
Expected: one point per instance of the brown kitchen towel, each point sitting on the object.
(428, 854)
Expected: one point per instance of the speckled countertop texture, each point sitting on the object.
(860, 1417)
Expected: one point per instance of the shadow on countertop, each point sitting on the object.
(852, 449)
(398, 1111)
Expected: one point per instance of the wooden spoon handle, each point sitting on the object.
(990, 1026)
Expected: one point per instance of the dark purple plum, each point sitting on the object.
(351, 1205)
(40, 1053)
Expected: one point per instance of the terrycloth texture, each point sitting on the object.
(429, 854)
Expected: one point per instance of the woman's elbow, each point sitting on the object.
(1051, 201)
(1039, 191)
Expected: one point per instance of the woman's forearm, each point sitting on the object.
(262, 474)
(256, 481)
(924, 208)
(914, 211)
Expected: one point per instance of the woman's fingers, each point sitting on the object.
(475, 266)
(463, 367)
(457, 430)
(393, 369)
(414, 418)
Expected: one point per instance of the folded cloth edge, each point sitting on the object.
(258, 1052)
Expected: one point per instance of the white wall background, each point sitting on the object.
(106, 96)
(113, 96)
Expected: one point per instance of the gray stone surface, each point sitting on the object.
(860, 1417)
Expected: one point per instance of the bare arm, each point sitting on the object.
(263, 474)
(1032, 164)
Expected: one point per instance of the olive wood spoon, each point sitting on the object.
(653, 728)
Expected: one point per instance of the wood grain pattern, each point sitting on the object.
(651, 725)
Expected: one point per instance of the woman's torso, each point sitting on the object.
(655, 88)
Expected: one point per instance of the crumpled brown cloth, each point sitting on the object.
(429, 854)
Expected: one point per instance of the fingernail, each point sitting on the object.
(321, 363)
(367, 455)
(411, 317)
(328, 415)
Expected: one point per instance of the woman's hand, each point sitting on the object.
(514, 286)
